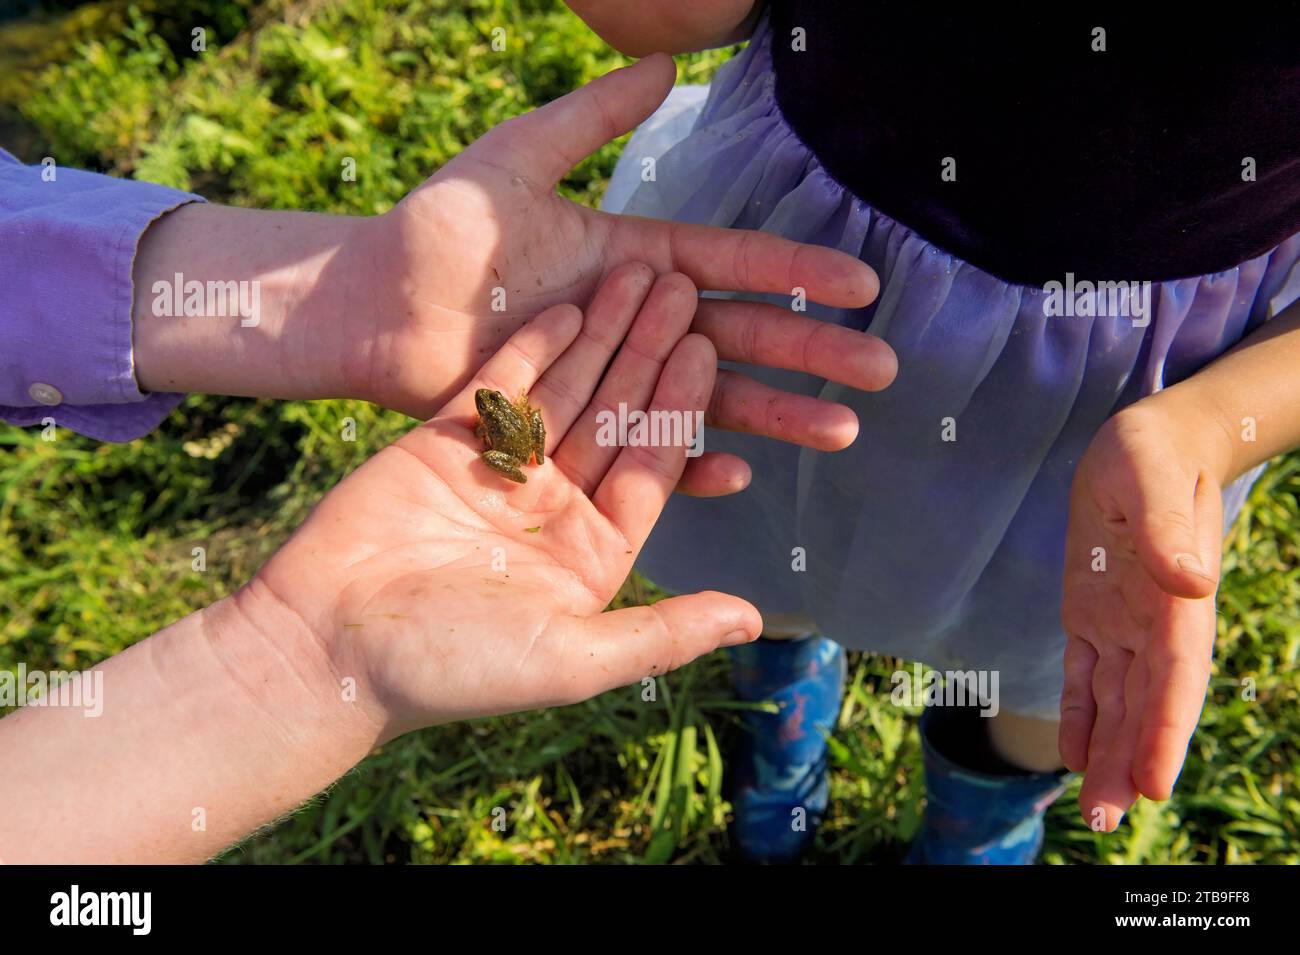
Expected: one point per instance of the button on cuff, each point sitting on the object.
(45, 394)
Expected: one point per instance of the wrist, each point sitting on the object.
(242, 302)
(274, 658)
(352, 292)
(1197, 424)
(309, 603)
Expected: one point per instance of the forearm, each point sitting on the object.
(669, 26)
(1251, 395)
(269, 288)
(210, 728)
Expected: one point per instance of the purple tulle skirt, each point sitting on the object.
(939, 535)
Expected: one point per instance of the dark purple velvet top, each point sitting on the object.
(1118, 165)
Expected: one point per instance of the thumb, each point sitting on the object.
(1176, 533)
(545, 144)
(621, 647)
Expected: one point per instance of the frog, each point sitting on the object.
(513, 432)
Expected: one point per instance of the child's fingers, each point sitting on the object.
(714, 474)
(586, 452)
(1078, 710)
(1108, 693)
(742, 404)
(642, 478)
(1079, 620)
(565, 390)
(1108, 790)
(756, 333)
(1179, 662)
(1179, 652)
(521, 360)
(1167, 533)
(1108, 676)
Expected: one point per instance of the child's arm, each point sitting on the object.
(637, 28)
(1253, 393)
(1142, 563)
(390, 609)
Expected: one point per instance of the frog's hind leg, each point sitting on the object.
(537, 431)
(504, 464)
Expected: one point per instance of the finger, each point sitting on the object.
(1108, 679)
(1181, 649)
(740, 403)
(545, 144)
(1102, 803)
(1078, 607)
(523, 359)
(625, 646)
(1166, 537)
(1078, 710)
(585, 454)
(1108, 791)
(744, 260)
(714, 474)
(756, 333)
(642, 477)
(1180, 661)
(566, 389)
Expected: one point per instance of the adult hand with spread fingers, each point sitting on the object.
(401, 308)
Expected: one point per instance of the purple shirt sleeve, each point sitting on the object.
(67, 247)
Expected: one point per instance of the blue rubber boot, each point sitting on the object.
(992, 815)
(780, 787)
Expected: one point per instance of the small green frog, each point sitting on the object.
(513, 432)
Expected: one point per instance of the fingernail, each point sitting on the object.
(735, 638)
(1192, 564)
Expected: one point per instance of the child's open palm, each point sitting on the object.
(1141, 570)
(446, 591)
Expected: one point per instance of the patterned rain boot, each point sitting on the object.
(979, 810)
(780, 785)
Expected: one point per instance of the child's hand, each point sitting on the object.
(425, 588)
(487, 243)
(446, 591)
(1141, 569)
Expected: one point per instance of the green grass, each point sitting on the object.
(96, 540)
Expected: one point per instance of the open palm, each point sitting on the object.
(425, 528)
(487, 243)
(1142, 564)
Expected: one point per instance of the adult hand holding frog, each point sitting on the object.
(399, 308)
(426, 587)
